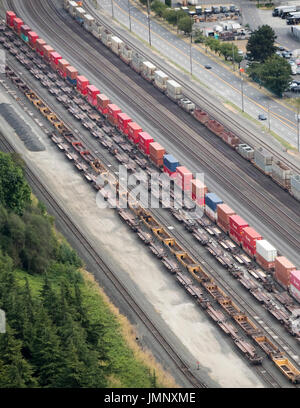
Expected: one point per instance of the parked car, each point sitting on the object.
(261, 116)
(207, 66)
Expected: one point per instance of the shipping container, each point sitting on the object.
(10, 16)
(184, 178)
(223, 214)
(266, 250)
(102, 103)
(73, 6)
(160, 80)
(47, 49)
(137, 62)
(112, 114)
(212, 201)
(125, 53)
(72, 75)
(157, 153)
(236, 228)
(106, 37)
(171, 163)
(92, 93)
(144, 141)
(169, 172)
(82, 83)
(283, 269)
(213, 215)
(267, 265)
(32, 37)
(199, 190)
(123, 122)
(116, 43)
(88, 22)
(62, 67)
(25, 29)
(250, 236)
(148, 70)
(40, 46)
(17, 22)
(295, 186)
(295, 284)
(54, 58)
(79, 15)
(133, 132)
(174, 90)
(262, 156)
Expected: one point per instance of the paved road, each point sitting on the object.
(219, 79)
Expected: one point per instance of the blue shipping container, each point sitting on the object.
(212, 200)
(24, 38)
(72, 81)
(170, 162)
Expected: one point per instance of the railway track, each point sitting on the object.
(242, 186)
(119, 287)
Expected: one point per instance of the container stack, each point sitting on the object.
(54, 58)
(123, 122)
(137, 62)
(246, 151)
(125, 53)
(157, 153)
(62, 67)
(295, 186)
(223, 214)
(40, 46)
(82, 83)
(199, 190)
(160, 80)
(170, 165)
(295, 285)
(263, 160)
(112, 114)
(282, 174)
(148, 70)
(144, 142)
(249, 239)
(32, 38)
(92, 93)
(102, 103)
(79, 15)
(25, 29)
(174, 90)
(106, 37)
(184, 178)
(72, 75)
(17, 25)
(265, 254)
(73, 6)
(10, 16)
(133, 132)
(211, 205)
(201, 116)
(89, 22)
(283, 269)
(116, 44)
(96, 30)
(47, 49)
(236, 228)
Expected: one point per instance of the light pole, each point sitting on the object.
(112, 9)
(191, 57)
(298, 144)
(233, 56)
(242, 87)
(148, 17)
(269, 119)
(129, 15)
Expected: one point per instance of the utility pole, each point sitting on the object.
(298, 141)
(129, 15)
(242, 87)
(112, 9)
(233, 56)
(191, 57)
(269, 119)
(148, 17)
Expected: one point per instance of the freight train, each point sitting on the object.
(279, 172)
(162, 235)
(232, 224)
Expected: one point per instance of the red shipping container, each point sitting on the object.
(32, 37)
(263, 263)
(17, 24)
(47, 49)
(71, 72)
(295, 285)
(184, 178)
(112, 114)
(62, 67)
(40, 46)
(92, 93)
(55, 57)
(133, 132)
(123, 122)
(250, 236)
(170, 173)
(283, 269)
(10, 15)
(236, 228)
(102, 102)
(144, 141)
(25, 29)
(82, 83)
(199, 190)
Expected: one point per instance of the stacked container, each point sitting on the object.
(47, 49)
(170, 165)
(92, 93)
(25, 29)
(184, 178)
(263, 160)
(72, 74)
(82, 84)
(112, 114)
(295, 186)
(174, 90)
(102, 103)
(125, 53)
(32, 39)
(295, 285)
(73, 6)
(62, 67)
(223, 214)
(137, 62)
(17, 25)
(133, 132)
(40, 46)
(157, 153)
(79, 15)
(144, 142)
(199, 190)
(123, 122)
(10, 15)
(211, 205)
(265, 254)
(116, 43)
(283, 269)
(160, 80)
(201, 116)
(246, 151)
(148, 70)
(88, 22)
(96, 30)
(54, 58)
(282, 174)
(106, 37)
(236, 228)
(250, 236)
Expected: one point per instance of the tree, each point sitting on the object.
(158, 7)
(185, 24)
(275, 74)
(261, 43)
(14, 190)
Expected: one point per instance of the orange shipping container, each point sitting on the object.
(224, 212)
(283, 268)
(156, 150)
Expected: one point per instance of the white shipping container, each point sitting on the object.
(211, 214)
(173, 87)
(281, 170)
(148, 68)
(73, 6)
(295, 182)
(106, 37)
(266, 250)
(116, 44)
(88, 22)
(96, 31)
(80, 12)
(125, 52)
(161, 77)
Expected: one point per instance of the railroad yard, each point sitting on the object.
(209, 282)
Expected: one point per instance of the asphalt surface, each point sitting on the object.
(219, 79)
